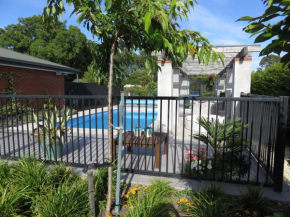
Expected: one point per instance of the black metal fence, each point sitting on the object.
(237, 140)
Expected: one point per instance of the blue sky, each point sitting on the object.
(215, 19)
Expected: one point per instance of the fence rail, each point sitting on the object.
(237, 140)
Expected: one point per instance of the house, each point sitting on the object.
(233, 77)
(27, 75)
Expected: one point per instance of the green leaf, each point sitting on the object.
(167, 44)
(221, 57)
(264, 37)
(108, 4)
(269, 17)
(285, 2)
(270, 3)
(48, 10)
(245, 18)
(254, 27)
(272, 9)
(53, 9)
(285, 59)
(61, 4)
(147, 20)
(214, 56)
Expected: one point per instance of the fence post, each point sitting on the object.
(280, 146)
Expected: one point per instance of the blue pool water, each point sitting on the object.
(100, 121)
(142, 102)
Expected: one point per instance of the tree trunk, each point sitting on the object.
(110, 125)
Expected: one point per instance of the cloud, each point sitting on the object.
(217, 28)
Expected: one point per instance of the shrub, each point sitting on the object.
(66, 200)
(31, 174)
(9, 200)
(252, 202)
(156, 200)
(210, 202)
(219, 133)
(59, 174)
(187, 104)
(5, 172)
(208, 94)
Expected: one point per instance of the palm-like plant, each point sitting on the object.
(226, 135)
(51, 126)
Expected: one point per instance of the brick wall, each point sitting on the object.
(34, 82)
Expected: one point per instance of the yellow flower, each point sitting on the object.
(127, 195)
(246, 212)
(133, 191)
(183, 201)
(255, 212)
(187, 204)
(109, 216)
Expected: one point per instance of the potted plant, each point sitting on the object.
(50, 132)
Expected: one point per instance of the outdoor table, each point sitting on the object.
(130, 140)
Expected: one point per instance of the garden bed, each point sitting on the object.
(31, 188)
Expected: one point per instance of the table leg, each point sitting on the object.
(165, 146)
(114, 150)
(157, 156)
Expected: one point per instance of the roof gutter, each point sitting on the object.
(38, 66)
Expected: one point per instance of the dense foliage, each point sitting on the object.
(202, 84)
(277, 11)
(29, 188)
(55, 42)
(272, 81)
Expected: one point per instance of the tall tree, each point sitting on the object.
(148, 25)
(269, 60)
(280, 31)
(56, 42)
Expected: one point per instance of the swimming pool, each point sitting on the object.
(142, 102)
(100, 120)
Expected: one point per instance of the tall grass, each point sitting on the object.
(210, 202)
(30, 188)
(9, 200)
(154, 201)
(253, 201)
(65, 200)
(5, 172)
(59, 174)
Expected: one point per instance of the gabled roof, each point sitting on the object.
(15, 59)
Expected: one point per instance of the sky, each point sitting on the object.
(215, 19)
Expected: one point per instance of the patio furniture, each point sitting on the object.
(129, 140)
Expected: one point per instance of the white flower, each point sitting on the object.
(193, 165)
(199, 161)
(209, 166)
(200, 167)
(201, 172)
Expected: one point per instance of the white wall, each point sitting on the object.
(165, 88)
(220, 85)
(168, 85)
(242, 76)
